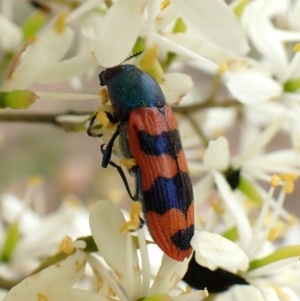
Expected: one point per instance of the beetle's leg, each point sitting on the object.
(90, 131)
(108, 150)
(135, 170)
(122, 175)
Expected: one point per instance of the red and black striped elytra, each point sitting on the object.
(155, 144)
(149, 133)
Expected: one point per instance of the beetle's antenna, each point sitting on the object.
(134, 55)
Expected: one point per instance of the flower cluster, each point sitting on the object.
(229, 70)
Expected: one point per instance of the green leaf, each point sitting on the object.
(92, 247)
(231, 234)
(139, 46)
(34, 23)
(90, 244)
(248, 189)
(179, 26)
(239, 8)
(279, 254)
(292, 85)
(156, 297)
(18, 99)
(11, 240)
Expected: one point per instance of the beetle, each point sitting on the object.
(149, 133)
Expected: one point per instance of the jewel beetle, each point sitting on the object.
(148, 132)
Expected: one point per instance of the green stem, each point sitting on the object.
(197, 129)
(208, 104)
(52, 119)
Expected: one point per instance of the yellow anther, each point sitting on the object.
(275, 180)
(217, 207)
(165, 4)
(67, 245)
(31, 39)
(35, 180)
(289, 179)
(60, 23)
(103, 119)
(297, 47)
(72, 201)
(222, 68)
(41, 297)
(289, 187)
(292, 219)
(128, 163)
(273, 234)
(188, 289)
(134, 223)
(104, 97)
(218, 132)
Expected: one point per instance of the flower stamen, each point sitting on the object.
(222, 68)
(67, 245)
(134, 223)
(297, 47)
(104, 96)
(128, 163)
(289, 180)
(60, 23)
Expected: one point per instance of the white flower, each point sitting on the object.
(10, 34)
(121, 277)
(29, 235)
(115, 40)
(41, 62)
(252, 161)
(269, 267)
(54, 283)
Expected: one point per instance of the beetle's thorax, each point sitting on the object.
(129, 87)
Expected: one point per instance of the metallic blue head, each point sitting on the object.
(129, 87)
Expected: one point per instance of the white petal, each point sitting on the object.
(265, 38)
(235, 208)
(286, 293)
(240, 292)
(214, 251)
(260, 142)
(295, 130)
(266, 290)
(80, 295)
(105, 222)
(50, 282)
(48, 48)
(276, 266)
(215, 22)
(252, 88)
(168, 45)
(13, 209)
(193, 42)
(118, 32)
(68, 68)
(217, 155)
(68, 220)
(293, 72)
(169, 274)
(175, 86)
(202, 190)
(10, 34)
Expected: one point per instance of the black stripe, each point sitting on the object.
(165, 143)
(166, 194)
(182, 238)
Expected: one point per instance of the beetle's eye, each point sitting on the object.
(101, 78)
